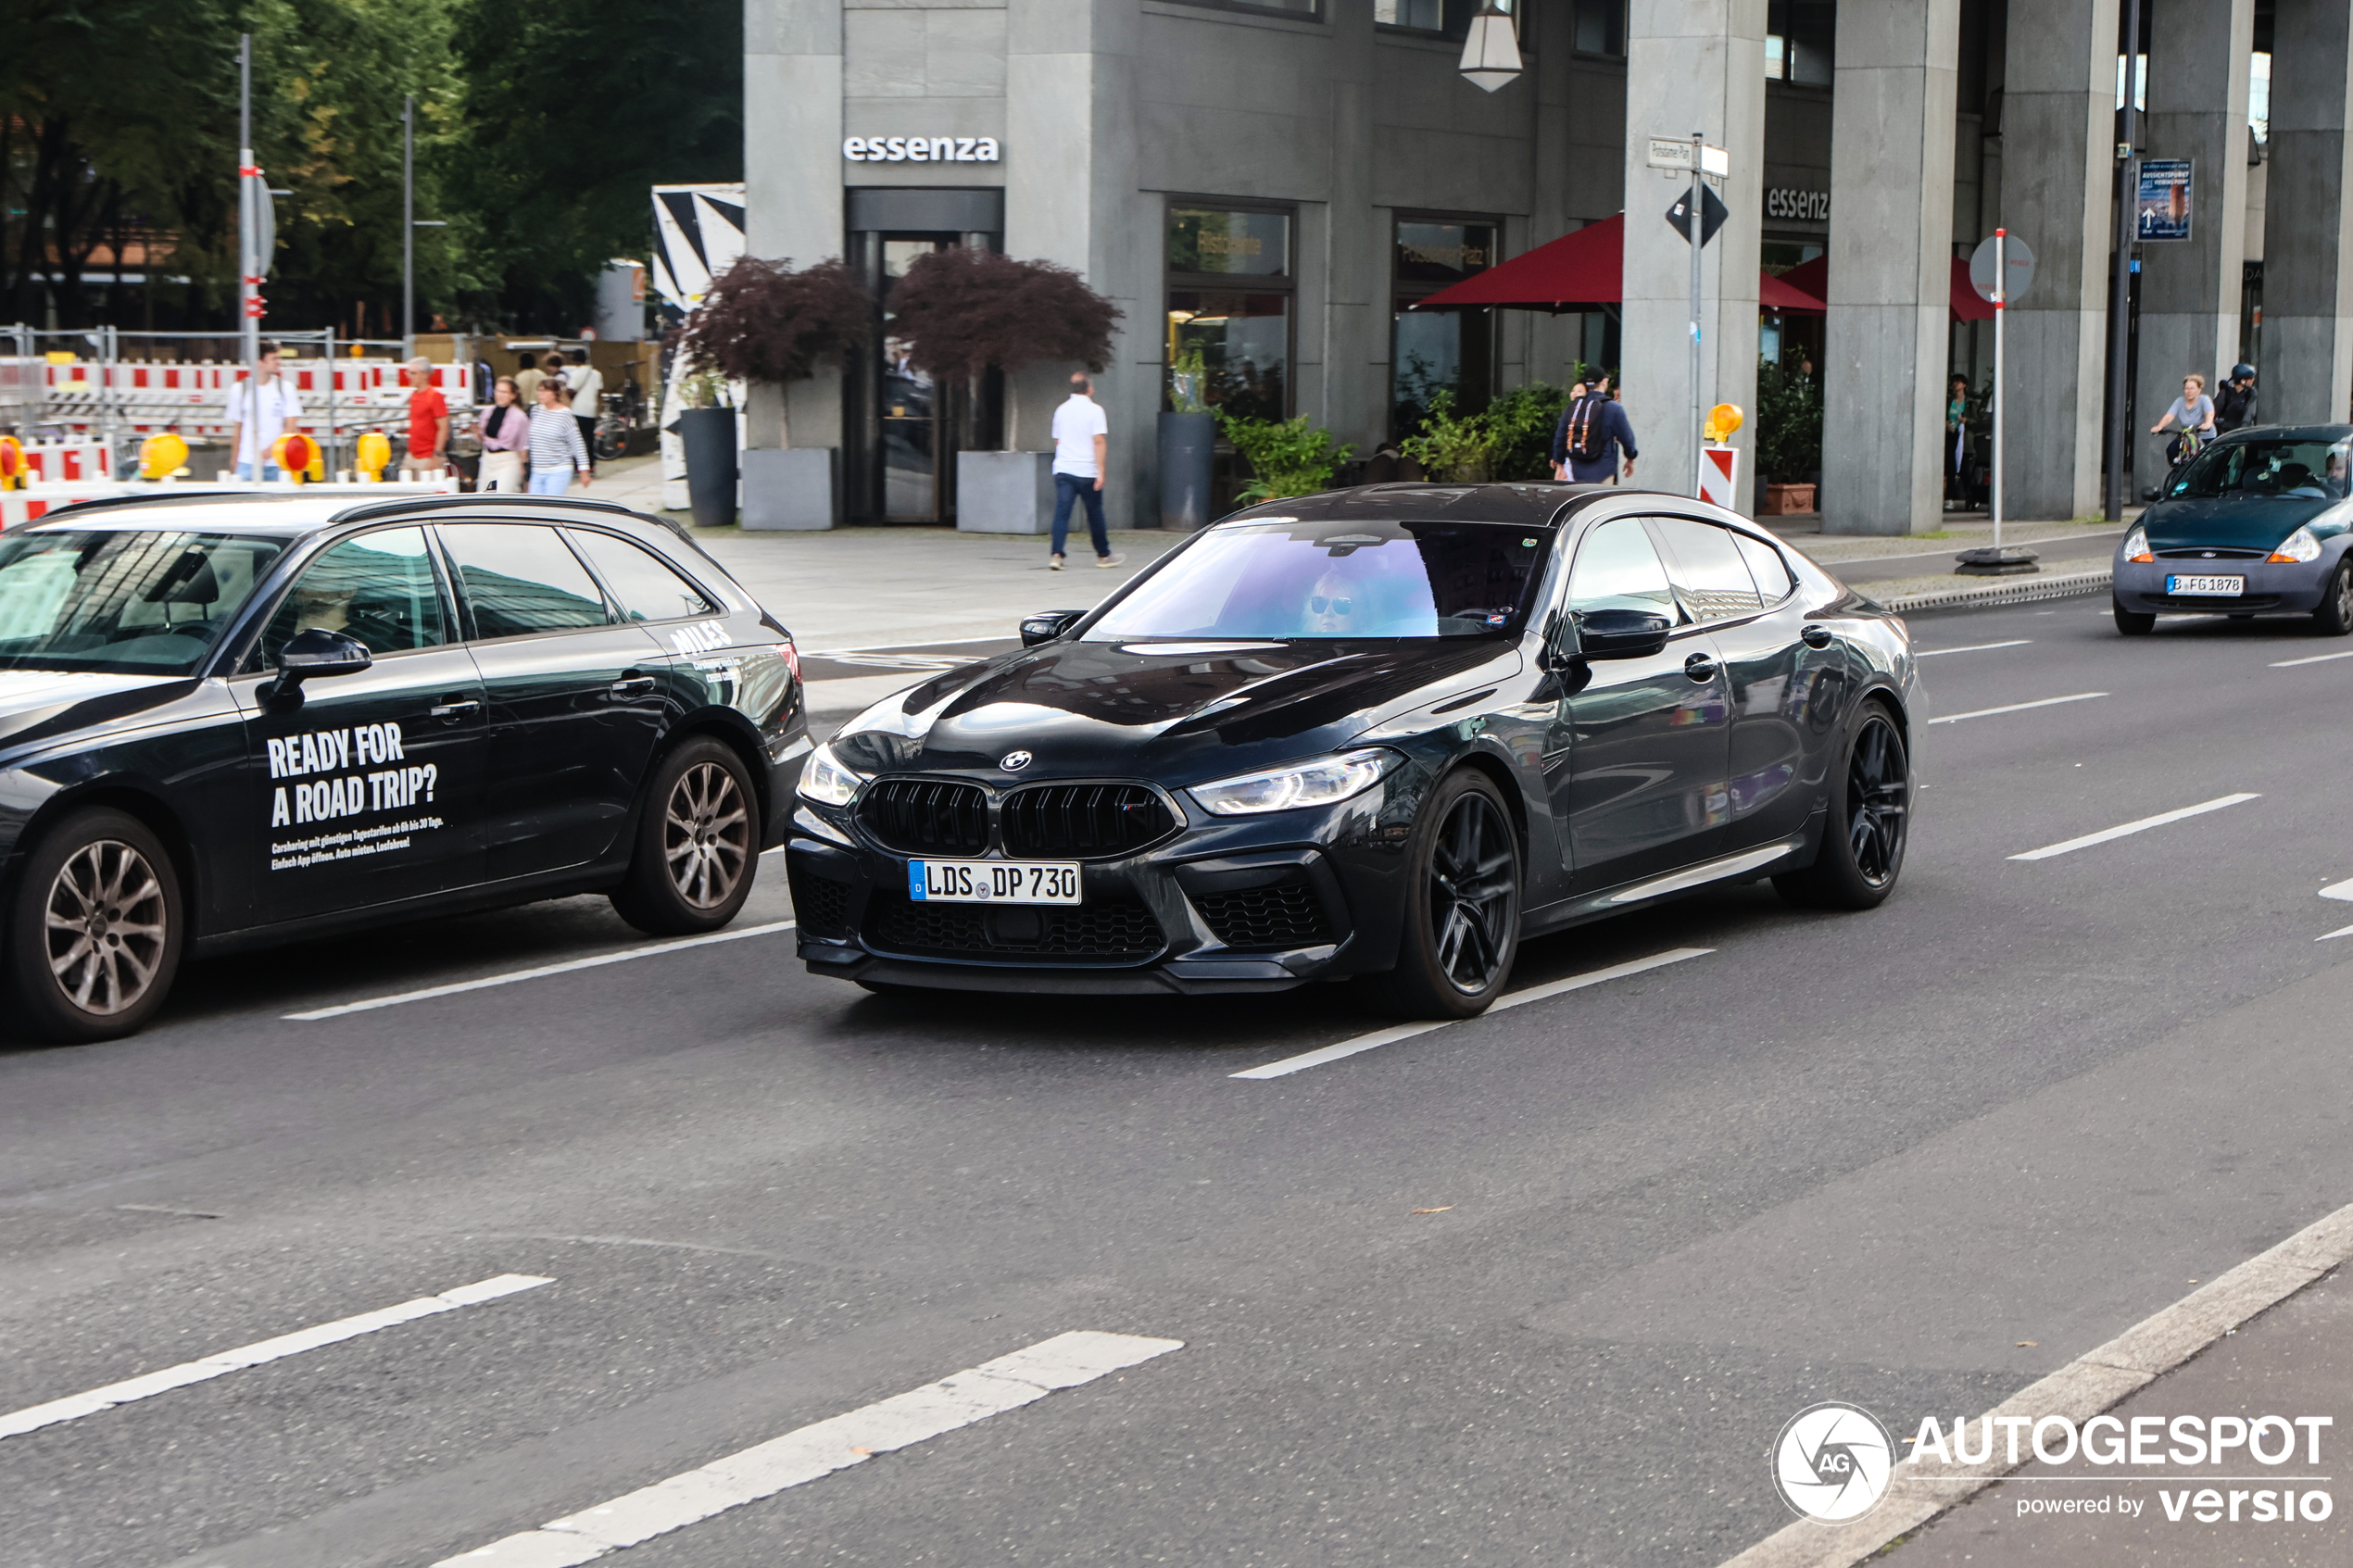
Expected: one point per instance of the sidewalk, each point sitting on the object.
(2295, 1360)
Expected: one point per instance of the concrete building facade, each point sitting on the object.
(1264, 189)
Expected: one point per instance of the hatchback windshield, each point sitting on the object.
(2310, 471)
(135, 603)
(1286, 579)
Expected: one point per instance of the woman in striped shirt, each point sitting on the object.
(556, 451)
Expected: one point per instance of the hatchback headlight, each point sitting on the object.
(825, 780)
(1322, 782)
(2298, 546)
(2136, 546)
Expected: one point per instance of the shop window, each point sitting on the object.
(1442, 18)
(1798, 39)
(1600, 28)
(1229, 308)
(1438, 351)
(1295, 7)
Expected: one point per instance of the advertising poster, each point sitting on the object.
(2161, 206)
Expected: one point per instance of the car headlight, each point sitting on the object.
(1322, 782)
(825, 780)
(2298, 546)
(2136, 544)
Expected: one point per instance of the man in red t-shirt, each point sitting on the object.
(428, 422)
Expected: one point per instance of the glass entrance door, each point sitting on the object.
(911, 413)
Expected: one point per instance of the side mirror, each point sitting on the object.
(314, 653)
(1619, 633)
(1047, 625)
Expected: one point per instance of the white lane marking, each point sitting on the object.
(544, 970)
(75, 1406)
(2342, 930)
(2126, 830)
(818, 1450)
(1317, 1058)
(2315, 658)
(2338, 890)
(1973, 648)
(2017, 708)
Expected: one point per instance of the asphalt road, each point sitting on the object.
(1538, 1287)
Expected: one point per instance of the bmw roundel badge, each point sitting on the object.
(1014, 761)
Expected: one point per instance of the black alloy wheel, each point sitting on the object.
(1461, 919)
(95, 929)
(2334, 616)
(2133, 623)
(1863, 843)
(698, 843)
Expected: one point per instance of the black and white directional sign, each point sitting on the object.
(1712, 213)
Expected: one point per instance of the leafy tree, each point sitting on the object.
(965, 310)
(762, 322)
(570, 111)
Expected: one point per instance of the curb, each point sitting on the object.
(2079, 1390)
(2015, 591)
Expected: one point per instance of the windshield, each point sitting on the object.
(131, 603)
(2311, 471)
(1288, 579)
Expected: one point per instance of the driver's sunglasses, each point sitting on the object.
(1318, 603)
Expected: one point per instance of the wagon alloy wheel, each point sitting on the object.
(705, 835)
(1471, 888)
(96, 913)
(1876, 793)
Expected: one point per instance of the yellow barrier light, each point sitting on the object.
(162, 455)
(375, 451)
(1724, 419)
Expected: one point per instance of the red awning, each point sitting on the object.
(1814, 277)
(1578, 272)
(1573, 273)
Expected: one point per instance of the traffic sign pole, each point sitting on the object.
(1697, 216)
(2001, 297)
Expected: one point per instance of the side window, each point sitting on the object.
(1710, 576)
(521, 579)
(1765, 564)
(1618, 568)
(378, 588)
(648, 587)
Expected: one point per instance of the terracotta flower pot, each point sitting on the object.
(1783, 499)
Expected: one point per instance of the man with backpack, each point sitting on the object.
(1592, 430)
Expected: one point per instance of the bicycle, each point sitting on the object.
(612, 429)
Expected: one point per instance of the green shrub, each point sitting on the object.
(1286, 456)
(1451, 449)
(1789, 425)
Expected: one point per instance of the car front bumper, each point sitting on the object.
(2271, 586)
(1222, 904)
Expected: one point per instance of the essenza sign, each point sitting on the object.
(921, 149)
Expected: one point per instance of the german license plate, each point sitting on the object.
(2213, 587)
(993, 882)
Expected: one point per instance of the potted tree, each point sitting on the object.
(963, 311)
(1188, 445)
(762, 321)
(1789, 438)
(706, 426)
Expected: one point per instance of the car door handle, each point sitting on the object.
(632, 685)
(1818, 635)
(450, 713)
(1700, 667)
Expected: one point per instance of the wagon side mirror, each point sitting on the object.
(315, 654)
(1047, 625)
(1617, 634)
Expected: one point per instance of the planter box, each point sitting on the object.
(1780, 500)
(1004, 492)
(707, 436)
(792, 488)
(1187, 455)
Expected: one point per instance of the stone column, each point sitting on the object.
(2058, 159)
(2308, 224)
(1692, 65)
(2190, 288)
(792, 183)
(1891, 269)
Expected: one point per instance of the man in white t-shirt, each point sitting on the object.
(262, 416)
(586, 384)
(1082, 453)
